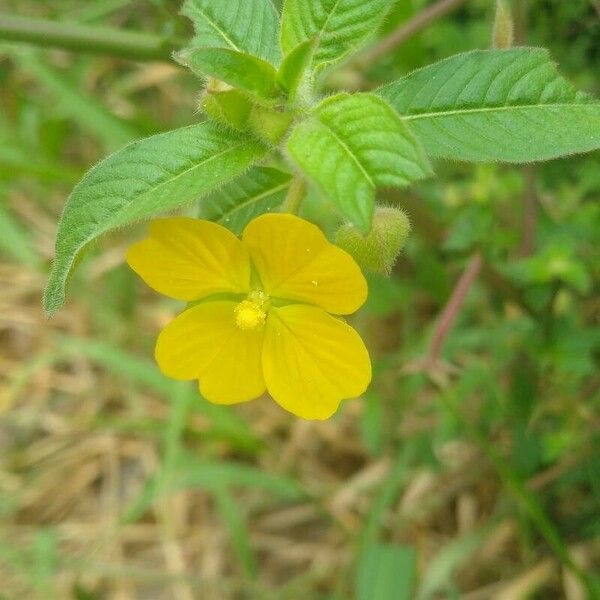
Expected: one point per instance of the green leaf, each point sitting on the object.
(386, 572)
(496, 105)
(339, 25)
(144, 179)
(352, 144)
(242, 71)
(258, 191)
(294, 67)
(250, 26)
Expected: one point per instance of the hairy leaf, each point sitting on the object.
(244, 25)
(339, 25)
(496, 105)
(294, 67)
(256, 192)
(144, 179)
(242, 71)
(352, 144)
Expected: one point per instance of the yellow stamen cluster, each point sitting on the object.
(251, 314)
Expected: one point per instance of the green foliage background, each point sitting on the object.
(402, 495)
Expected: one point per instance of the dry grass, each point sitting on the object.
(117, 484)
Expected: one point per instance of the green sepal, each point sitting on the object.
(270, 124)
(228, 106)
(248, 73)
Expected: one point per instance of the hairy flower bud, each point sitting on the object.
(377, 251)
(226, 104)
(269, 123)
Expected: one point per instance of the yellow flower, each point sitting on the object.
(260, 319)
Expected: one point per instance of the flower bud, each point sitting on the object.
(270, 124)
(378, 250)
(226, 104)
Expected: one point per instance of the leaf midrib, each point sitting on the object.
(471, 111)
(216, 27)
(348, 151)
(170, 180)
(256, 198)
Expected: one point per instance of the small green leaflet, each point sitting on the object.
(242, 71)
(351, 145)
(258, 191)
(339, 25)
(294, 68)
(249, 26)
(145, 179)
(496, 105)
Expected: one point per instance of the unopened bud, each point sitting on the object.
(225, 104)
(270, 124)
(377, 252)
(504, 30)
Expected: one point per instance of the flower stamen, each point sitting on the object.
(251, 314)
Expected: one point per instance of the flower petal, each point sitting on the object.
(312, 361)
(296, 262)
(189, 259)
(204, 343)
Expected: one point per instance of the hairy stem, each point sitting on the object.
(295, 196)
(407, 30)
(83, 38)
(453, 307)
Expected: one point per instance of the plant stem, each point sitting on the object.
(453, 307)
(433, 232)
(295, 196)
(84, 38)
(407, 30)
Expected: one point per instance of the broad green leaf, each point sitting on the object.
(244, 25)
(294, 67)
(350, 145)
(242, 71)
(258, 191)
(386, 572)
(144, 179)
(496, 105)
(339, 25)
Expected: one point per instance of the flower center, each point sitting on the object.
(251, 314)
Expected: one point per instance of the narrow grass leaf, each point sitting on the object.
(15, 241)
(69, 99)
(446, 562)
(226, 425)
(233, 518)
(386, 572)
